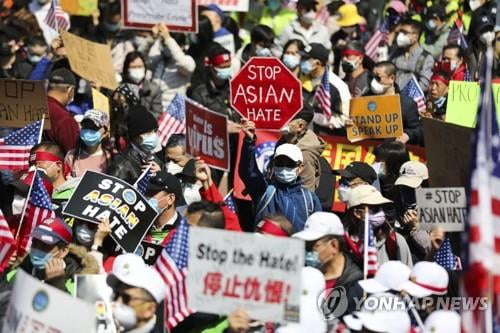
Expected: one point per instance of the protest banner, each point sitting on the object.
(266, 92)
(375, 117)
(447, 154)
(177, 15)
(90, 60)
(228, 5)
(463, 101)
(207, 135)
(100, 101)
(79, 7)
(38, 307)
(23, 102)
(99, 196)
(229, 270)
(443, 207)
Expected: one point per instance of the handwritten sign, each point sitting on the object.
(229, 270)
(90, 60)
(178, 15)
(375, 117)
(442, 207)
(23, 102)
(100, 101)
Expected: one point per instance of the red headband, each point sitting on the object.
(40, 156)
(440, 78)
(218, 59)
(268, 227)
(349, 52)
(434, 289)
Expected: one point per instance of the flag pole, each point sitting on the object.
(228, 194)
(365, 244)
(41, 130)
(21, 220)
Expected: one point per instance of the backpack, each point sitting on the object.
(326, 185)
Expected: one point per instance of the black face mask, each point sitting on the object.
(405, 198)
(347, 67)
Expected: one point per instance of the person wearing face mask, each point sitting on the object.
(261, 44)
(147, 92)
(138, 155)
(355, 174)
(165, 195)
(438, 95)
(357, 76)
(436, 30)
(480, 9)
(89, 237)
(281, 193)
(483, 37)
(93, 151)
(365, 199)
(410, 58)
(53, 259)
(326, 250)
(64, 130)
(383, 83)
(138, 289)
(175, 154)
(453, 62)
(190, 184)
(40, 9)
(36, 50)
(292, 55)
(306, 27)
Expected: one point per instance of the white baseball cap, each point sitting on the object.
(427, 278)
(130, 269)
(291, 151)
(320, 224)
(442, 321)
(365, 195)
(390, 276)
(380, 321)
(412, 174)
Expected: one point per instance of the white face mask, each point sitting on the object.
(174, 168)
(309, 17)
(379, 168)
(403, 40)
(18, 204)
(474, 4)
(124, 316)
(344, 193)
(137, 74)
(487, 37)
(191, 193)
(377, 87)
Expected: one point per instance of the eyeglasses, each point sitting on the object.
(126, 298)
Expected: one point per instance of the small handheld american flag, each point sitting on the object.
(173, 120)
(374, 42)
(413, 90)
(15, 147)
(322, 95)
(445, 257)
(7, 243)
(370, 259)
(57, 18)
(142, 182)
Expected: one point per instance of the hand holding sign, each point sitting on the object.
(249, 129)
(103, 231)
(203, 173)
(239, 321)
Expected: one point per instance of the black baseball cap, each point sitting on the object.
(435, 11)
(62, 76)
(164, 181)
(316, 51)
(358, 170)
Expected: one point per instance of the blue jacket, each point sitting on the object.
(272, 197)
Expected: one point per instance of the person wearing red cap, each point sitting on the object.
(357, 76)
(438, 95)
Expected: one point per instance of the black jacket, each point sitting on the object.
(214, 98)
(128, 165)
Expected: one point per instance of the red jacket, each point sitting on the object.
(64, 130)
(212, 194)
(459, 74)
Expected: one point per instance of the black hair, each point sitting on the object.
(36, 41)
(307, 6)
(389, 67)
(415, 25)
(298, 42)
(232, 26)
(444, 74)
(356, 45)
(204, 38)
(216, 49)
(262, 34)
(460, 51)
(130, 57)
(50, 147)
(395, 154)
(211, 214)
(176, 140)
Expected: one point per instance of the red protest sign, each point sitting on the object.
(207, 136)
(266, 92)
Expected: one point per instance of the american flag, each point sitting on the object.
(456, 35)
(374, 42)
(173, 120)
(38, 208)
(323, 94)
(142, 182)
(370, 260)
(7, 243)
(413, 90)
(468, 75)
(229, 201)
(172, 266)
(445, 257)
(15, 147)
(57, 18)
(482, 232)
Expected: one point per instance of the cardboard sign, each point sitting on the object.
(207, 135)
(90, 60)
(100, 101)
(228, 5)
(443, 207)
(178, 15)
(447, 149)
(266, 92)
(38, 307)
(375, 117)
(23, 102)
(79, 7)
(101, 196)
(229, 270)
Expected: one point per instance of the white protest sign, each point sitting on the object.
(443, 207)
(229, 270)
(228, 5)
(178, 15)
(38, 307)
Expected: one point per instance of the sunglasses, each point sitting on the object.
(285, 163)
(127, 298)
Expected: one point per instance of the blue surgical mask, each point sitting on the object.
(90, 137)
(312, 259)
(39, 258)
(440, 101)
(430, 24)
(285, 175)
(223, 73)
(291, 61)
(262, 52)
(112, 27)
(153, 202)
(149, 142)
(306, 67)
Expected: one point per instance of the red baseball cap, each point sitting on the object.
(53, 230)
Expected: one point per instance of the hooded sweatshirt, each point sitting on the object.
(312, 147)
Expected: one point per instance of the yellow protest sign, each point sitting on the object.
(375, 117)
(100, 101)
(90, 60)
(78, 7)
